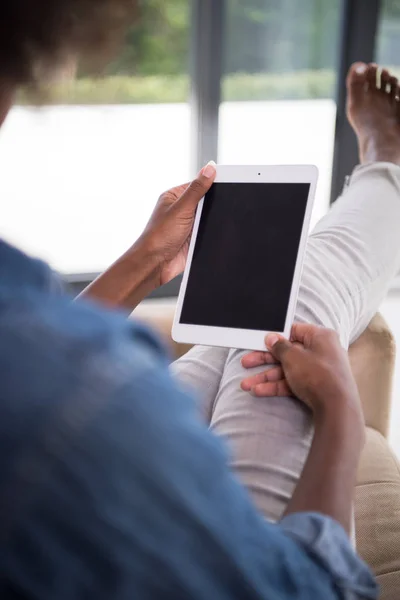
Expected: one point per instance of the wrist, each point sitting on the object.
(143, 256)
(129, 280)
(342, 416)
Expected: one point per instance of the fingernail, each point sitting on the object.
(272, 340)
(209, 170)
(361, 69)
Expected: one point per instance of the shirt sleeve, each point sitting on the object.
(325, 540)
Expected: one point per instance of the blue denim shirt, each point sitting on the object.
(110, 487)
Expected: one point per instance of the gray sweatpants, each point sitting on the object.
(352, 257)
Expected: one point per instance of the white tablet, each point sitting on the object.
(246, 255)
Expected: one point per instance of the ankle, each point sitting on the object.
(374, 150)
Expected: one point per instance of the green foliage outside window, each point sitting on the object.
(276, 49)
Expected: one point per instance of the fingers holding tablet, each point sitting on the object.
(257, 359)
(197, 188)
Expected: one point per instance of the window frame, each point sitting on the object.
(358, 35)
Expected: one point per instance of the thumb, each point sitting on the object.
(278, 346)
(197, 188)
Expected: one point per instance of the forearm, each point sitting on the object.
(127, 282)
(329, 477)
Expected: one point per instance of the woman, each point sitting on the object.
(109, 485)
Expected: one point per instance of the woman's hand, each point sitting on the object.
(160, 253)
(167, 235)
(315, 367)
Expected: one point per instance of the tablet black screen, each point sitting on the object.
(245, 255)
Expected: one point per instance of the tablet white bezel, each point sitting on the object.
(245, 338)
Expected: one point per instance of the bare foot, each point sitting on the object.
(373, 109)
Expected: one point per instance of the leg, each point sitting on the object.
(352, 256)
(201, 369)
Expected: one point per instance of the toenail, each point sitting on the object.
(361, 69)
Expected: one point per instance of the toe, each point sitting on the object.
(372, 76)
(357, 75)
(356, 83)
(385, 80)
(394, 88)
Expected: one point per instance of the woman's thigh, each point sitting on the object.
(201, 371)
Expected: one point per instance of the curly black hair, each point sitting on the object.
(39, 36)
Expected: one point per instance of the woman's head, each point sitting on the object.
(38, 37)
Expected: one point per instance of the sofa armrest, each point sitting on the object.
(372, 359)
(377, 511)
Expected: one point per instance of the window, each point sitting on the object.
(279, 85)
(388, 43)
(96, 161)
(388, 54)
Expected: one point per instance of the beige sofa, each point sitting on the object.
(377, 501)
